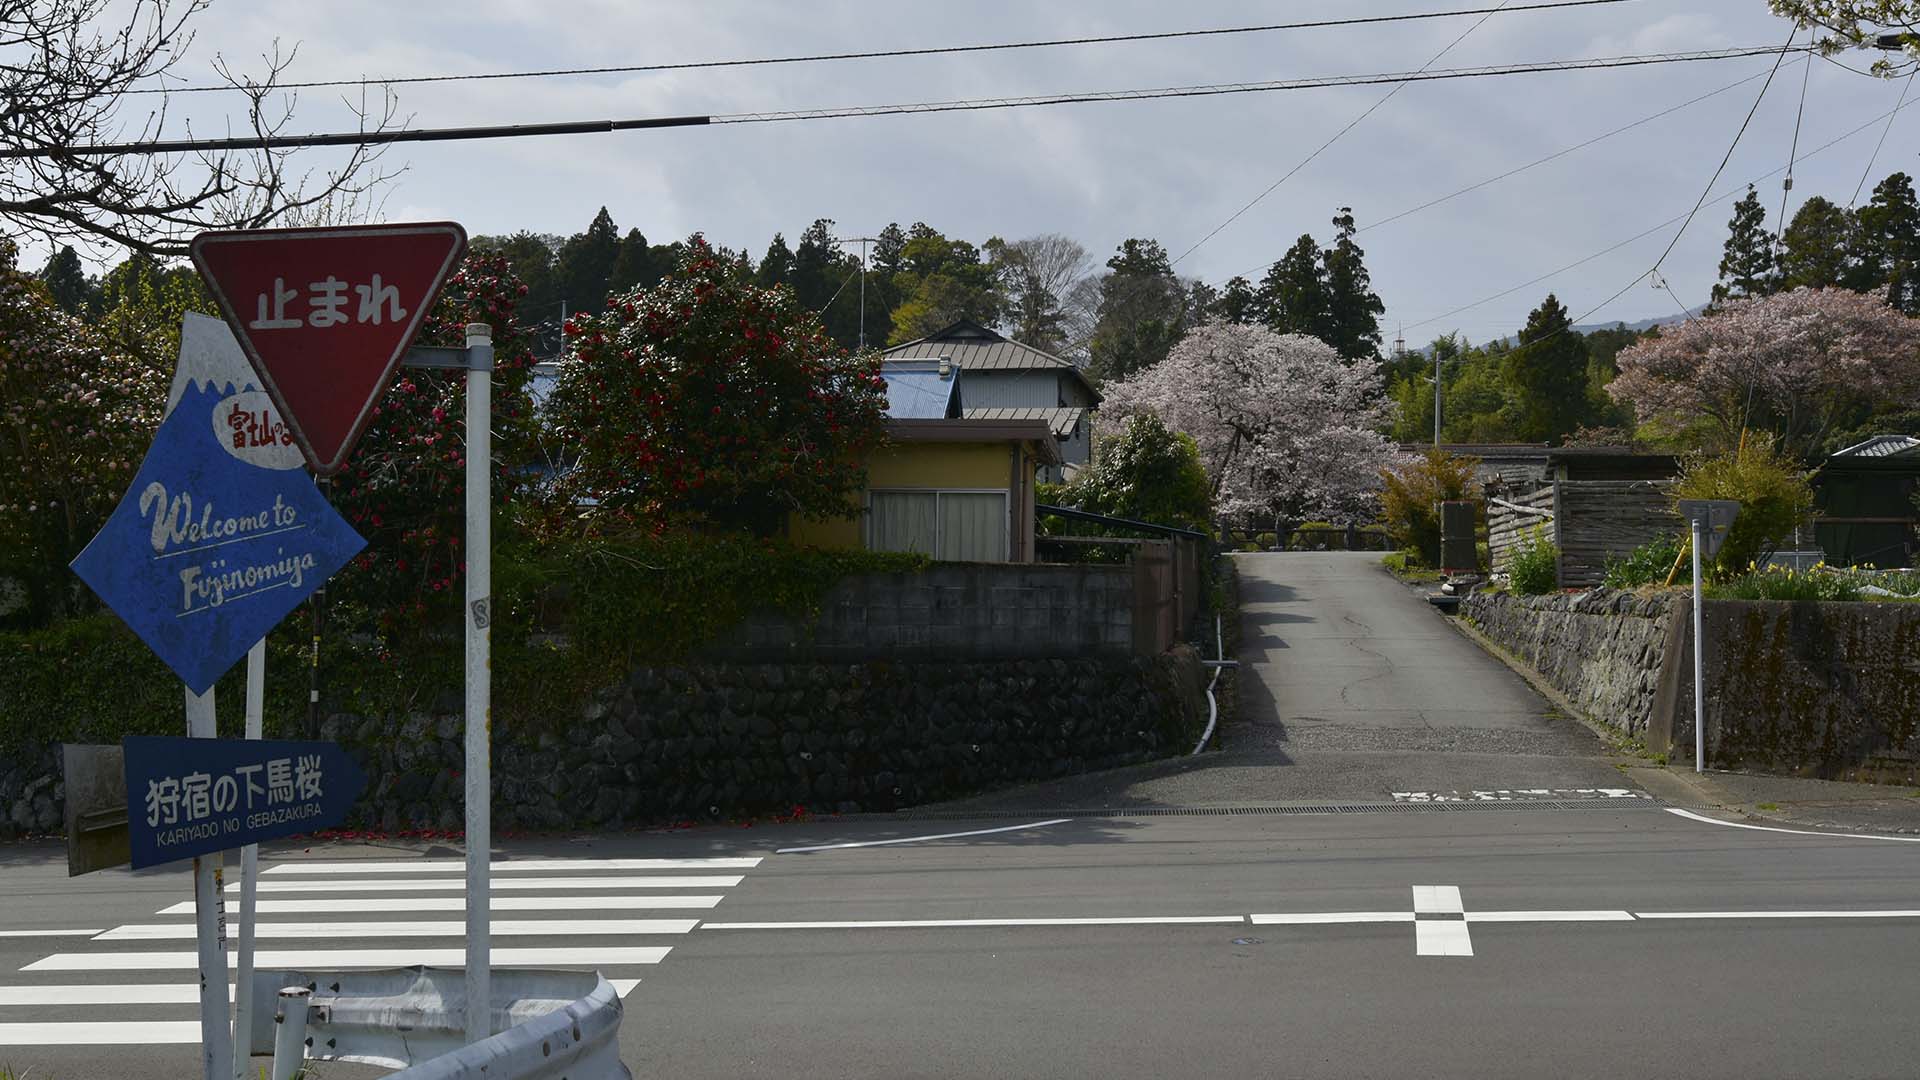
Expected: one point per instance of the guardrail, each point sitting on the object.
(547, 1024)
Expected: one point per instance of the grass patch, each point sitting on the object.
(1768, 806)
(1405, 565)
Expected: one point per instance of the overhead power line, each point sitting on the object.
(1728, 156)
(581, 127)
(1643, 234)
(1337, 136)
(876, 54)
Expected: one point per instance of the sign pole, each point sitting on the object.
(249, 882)
(479, 790)
(216, 1047)
(1699, 666)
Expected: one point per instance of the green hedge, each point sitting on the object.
(570, 618)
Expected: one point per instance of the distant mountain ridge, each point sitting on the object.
(1643, 324)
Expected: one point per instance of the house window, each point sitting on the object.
(952, 526)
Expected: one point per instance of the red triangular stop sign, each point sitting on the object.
(325, 315)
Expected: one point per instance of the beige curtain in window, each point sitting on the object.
(973, 527)
(905, 521)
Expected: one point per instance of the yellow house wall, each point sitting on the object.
(901, 466)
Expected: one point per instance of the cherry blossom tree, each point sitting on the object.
(1284, 425)
(1791, 363)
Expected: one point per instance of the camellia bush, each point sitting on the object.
(709, 402)
(75, 421)
(404, 488)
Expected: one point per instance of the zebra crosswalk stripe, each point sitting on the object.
(567, 903)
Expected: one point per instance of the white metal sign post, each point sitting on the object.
(210, 922)
(249, 882)
(479, 674)
(1710, 519)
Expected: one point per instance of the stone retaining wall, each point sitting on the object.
(725, 741)
(1822, 689)
(1602, 649)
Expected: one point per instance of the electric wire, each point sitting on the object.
(1351, 124)
(580, 127)
(1728, 156)
(1557, 154)
(938, 50)
(1786, 186)
(1642, 235)
(1875, 156)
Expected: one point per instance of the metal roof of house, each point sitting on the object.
(977, 348)
(921, 389)
(1061, 420)
(1882, 446)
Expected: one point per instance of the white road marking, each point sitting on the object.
(699, 881)
(315, 931)
(400, 956)
(1307, 918)
(920, 839)
(105, 994)
(1441, 937)
(1549, 916)
(1899, 913)
(911, 924)
(102, 1033)
(1437, 900)
(623, 987)
(1691, 816)
(50, 933)
(1444, 932)
(1312, 918)
(343, 905)
(513, 866)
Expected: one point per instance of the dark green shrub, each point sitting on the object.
(1535, 568)
(1770, 487)
(1413, 493)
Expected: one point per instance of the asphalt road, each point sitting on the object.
(1404, 863)
(1573, 970)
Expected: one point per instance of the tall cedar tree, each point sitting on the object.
(68, 283)
(1750, 266)
(1547, 374)
(1142, 314)
(1886, 244)
(586, 263)
(1814, 247)
(1295, 295)
(1352, 307)
(636, 266)
(1238, 302)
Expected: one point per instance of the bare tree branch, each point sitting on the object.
(66, 69)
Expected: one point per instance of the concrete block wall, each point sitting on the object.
(956, 612)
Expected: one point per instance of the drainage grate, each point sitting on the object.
(1268, 811)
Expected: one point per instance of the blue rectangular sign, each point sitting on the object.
(188, 797)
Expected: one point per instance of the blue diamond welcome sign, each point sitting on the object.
(211, 548)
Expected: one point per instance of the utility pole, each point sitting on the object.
(863, 241)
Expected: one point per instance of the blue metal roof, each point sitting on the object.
(920, 390)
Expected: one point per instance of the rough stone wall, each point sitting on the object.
(954, 612)
(1826, 689)
(723, 740)
(1602, 649)
(1823, 689)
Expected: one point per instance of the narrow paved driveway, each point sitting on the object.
(1353, 688)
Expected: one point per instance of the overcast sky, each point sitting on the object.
(1171, 170)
